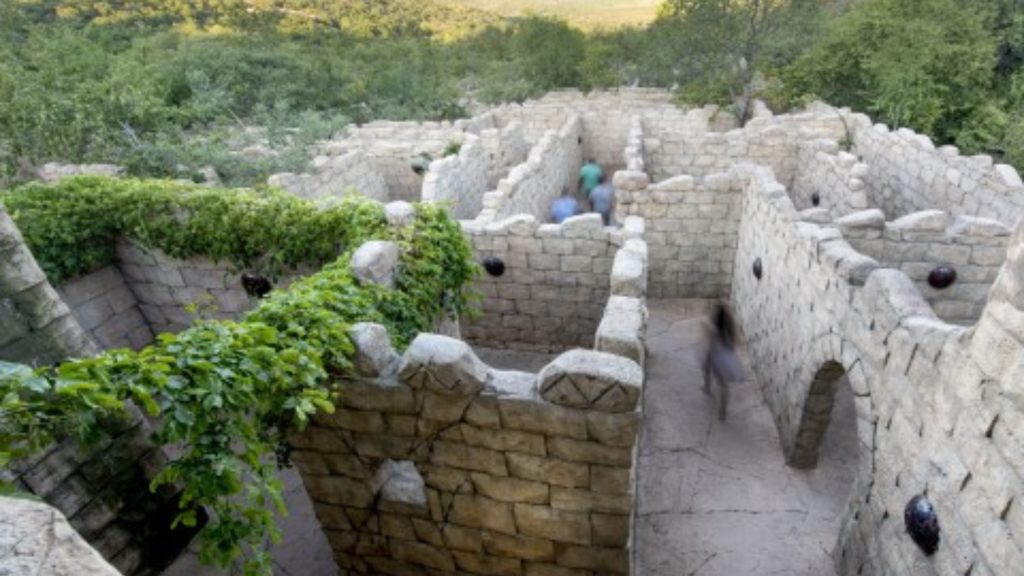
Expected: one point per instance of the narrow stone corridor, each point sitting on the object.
(716, 498)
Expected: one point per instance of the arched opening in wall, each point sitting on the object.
(828, 420)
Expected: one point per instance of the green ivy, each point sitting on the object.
(227, 393)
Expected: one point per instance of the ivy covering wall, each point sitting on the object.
(225, 393)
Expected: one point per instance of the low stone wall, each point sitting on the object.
(555, 285)
(334, 176)
(836, 177)
(106, 308)
(908, 174)
(932, 412)
(506, 147)
(767, 140)
(917, 243)
(460, 180)
(691, 229)
(450, 466)
(531, 187)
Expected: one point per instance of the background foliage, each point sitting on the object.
(227, 393)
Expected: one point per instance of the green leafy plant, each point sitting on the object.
(227, 393)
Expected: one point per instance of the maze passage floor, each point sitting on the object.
(716, 498)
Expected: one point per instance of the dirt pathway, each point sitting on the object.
(715, 498)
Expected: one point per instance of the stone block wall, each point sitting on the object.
(531, 186)
(934, 414)
(691, 229)
(555, 286)
(450, 466)
(633, 155)
(334, 176)
(36, 327)
(106, 309)
(164, 286)
(767, 140)
(836, 176)
(908, 174)
(919, 242)
(506, 147)
(460, 180)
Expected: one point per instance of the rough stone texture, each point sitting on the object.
(335, 176)
(444, 365)
(835, 176)
(586, 379)
(375, 262)
(36, 539)
(399, 213)
(107, 310)
(556, 281)
(621, 331)
(373, 351)
(460, 180)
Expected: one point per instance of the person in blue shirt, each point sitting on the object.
(602, 200)
(564, 206)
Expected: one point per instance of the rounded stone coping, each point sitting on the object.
(592, 380)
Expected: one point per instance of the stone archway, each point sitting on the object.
(817, 415)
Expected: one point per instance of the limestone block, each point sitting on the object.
(548, 470)
(816, 216)
(375, 262)
(373, 351)
(509, 489)
(1009, 175)
(588, 379)
(19, 271)
(606, 560)
(629, 273)
(444, 365)
(582, 226)
(480, 512)
(37, 539)
(923, 221)
(630, 180)
(521, 547)
(860, 221)
(399, 483)
(622, 327)
(975, 226)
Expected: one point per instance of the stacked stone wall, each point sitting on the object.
(768, 140)
(691, 230)
(555, 286)
(450, 466)
(506, 147)
(106, 308)
(918, 243)
(532, 186)
(334, 176)
(934, 414)
(835, 176)
(460, 180)
(908, 174)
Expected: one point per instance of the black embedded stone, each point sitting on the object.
(941, 277)
(758, 270)
(922, 524)
(256, 285)
(815, 199)
(494, 266)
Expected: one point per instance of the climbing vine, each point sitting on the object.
(226, 393)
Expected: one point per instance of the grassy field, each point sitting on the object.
(587, 14)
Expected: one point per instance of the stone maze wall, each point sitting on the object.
(461, 180)
(531, 186)
(333, 176)
(442, 464)
(556, 282)
(106, 308)
(909, 174)
(768, 140)
(936, 409)
(836, 176)
(919, 242)
(691, 228)
(506, 147)
(103, 492)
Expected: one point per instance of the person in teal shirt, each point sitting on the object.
(590, 176)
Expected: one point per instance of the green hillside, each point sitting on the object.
(587, 14)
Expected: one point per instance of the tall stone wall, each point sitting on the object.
(334, 176)
(450, 466)
(532, 186)
(460, 180)
(908, 174)
(555, 285)
(106, 308)
(835, 177)
(934, 414)
(506, 147)
(768, 140)
(691, 230)
(918, 243)
(36, 327)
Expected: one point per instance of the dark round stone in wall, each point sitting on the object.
(922, 524)
(758, 269)
(494, 266)
(815, 199)
(256, 285)
(941, 277)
